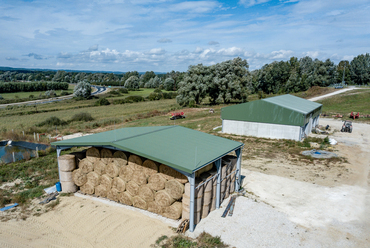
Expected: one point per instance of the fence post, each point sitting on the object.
(23, 133)
(38, 137)
(13, 157)
(37, 152)
(34, 136)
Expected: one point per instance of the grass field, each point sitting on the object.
(344, 104)
(34, 93)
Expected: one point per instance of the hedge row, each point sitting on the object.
(11, 87)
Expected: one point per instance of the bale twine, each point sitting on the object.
(93, 154)
(169, 174)
(156, 182)
(146, 193)
(138, 202)
(86, 166)
(155, 207)
(65, 176)
(232, 187)
(135, 162)
(132, 188)
(93, 178)
(67, 162)
(119, 158)
(79, 178)
(125, 198)
(198, 191)
(174, 189)
(106, 181)
(139, 177)
(174, 211)
(119, 184)
(198, 203)
(150, 168)
(126, 173)
(112, 170)
(68, 187)
(163, 198)
(101, 190)
(88, 188)
(112, 194)
(223, 172)
(99, 167)
(204, 169)
(106, 156)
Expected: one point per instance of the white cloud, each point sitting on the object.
(164, 40)
(249, 3)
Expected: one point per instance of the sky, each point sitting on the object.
(166, 35)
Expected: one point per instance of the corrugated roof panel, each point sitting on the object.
(179, 147)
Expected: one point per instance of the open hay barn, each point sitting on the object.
(169, 170)
(280, 117)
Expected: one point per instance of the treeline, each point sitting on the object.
(148, 80)
(231, 80)
(10, 87)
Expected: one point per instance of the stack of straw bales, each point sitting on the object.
(131, 180)
(67, 164)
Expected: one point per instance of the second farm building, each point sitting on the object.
(280, 117)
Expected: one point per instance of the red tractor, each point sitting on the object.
(178, 115)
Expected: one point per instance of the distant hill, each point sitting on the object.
(3, 68)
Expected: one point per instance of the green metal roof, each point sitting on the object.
(284, 110)
(178, 147)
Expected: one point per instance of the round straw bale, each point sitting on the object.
(138, 202)
(125, 198)
(67, 162)
(93, 154)
(68, 187)
(106, 181)
(174, 211)
(146, 193)
(86, 166)
(112, 170)
(135, 162)
(126, 173)
(66, 176)
(119, 184)
(150, 167)
(79, 156)
(198, 191)
(112, 194)
(139, 177)
(205, 210)
(87, 188)
(156, 182)
(163, 198)
(132, 188)
(120, 158)
(170, 174)
(93, 178)
(106, 156)
(198, 203)
(204, 169)
(79, 178)
(209, 184)
(154, 207)
(174, 189)
(101, 190)
(213, 204)
(99, 167)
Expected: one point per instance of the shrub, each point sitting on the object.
(157, 91)
(50, 93)
(31, 96)
(52, 121)
(123, 91)
(134, 99)
(155, 96)
(82, 89)
(1, 98)
(64, 93)
(82, 117)
(102, 101)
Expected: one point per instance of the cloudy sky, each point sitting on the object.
(165, 35)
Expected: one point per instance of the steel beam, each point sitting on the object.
(238, 169)
(218, 190)
(192, 196)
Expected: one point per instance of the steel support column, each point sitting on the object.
(218, 190)
(238, 169)
(192, 195)
(58, 154)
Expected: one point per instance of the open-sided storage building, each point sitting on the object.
(280, 117)
(185, 150)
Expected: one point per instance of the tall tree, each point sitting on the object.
(360, 69)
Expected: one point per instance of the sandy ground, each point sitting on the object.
(81, 222)
(288, 205)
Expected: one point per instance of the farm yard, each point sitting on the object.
(265, 162)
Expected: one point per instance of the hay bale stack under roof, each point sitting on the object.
(157, 181)
(106, 181)
(150, 167)
(174, 211)
(119, 184)
(163, 198)
(79, 178)
(135, 162)
(146, 193)
(174, 189)
(126, 173)
(86, 166)
(93, 154)
(125, 198)
(119, 158)
(99, 167)
(112, 170)
(170, 174)
(93, 178)
(106, 156)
